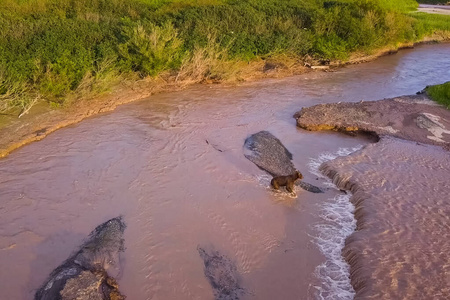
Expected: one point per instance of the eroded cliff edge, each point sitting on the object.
(414, 118)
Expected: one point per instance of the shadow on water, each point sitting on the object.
(62, 244)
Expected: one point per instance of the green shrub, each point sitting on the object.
(51, 49)
(440, 93)
(150, 49)
(428, 23)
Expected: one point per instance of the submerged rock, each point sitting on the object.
(309, 187)
(84, 275)
(222, 275)
(269, 154)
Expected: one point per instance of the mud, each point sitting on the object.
(414, 118)
(269, 154)
(86, 274)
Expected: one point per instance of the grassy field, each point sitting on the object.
(61, 50)
(432, 22)
(440, 93)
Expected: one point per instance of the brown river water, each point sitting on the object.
(401, 249)
(173, 166)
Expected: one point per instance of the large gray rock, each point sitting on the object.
(84, 275)
(269, 154)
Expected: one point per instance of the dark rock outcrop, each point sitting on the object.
(84, 275)
(222, 275)
(269, 154)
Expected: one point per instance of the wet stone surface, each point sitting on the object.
(269, 154)
(84, 274)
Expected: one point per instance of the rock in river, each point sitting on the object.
(84, 275)
(269, 154)
(222, 275)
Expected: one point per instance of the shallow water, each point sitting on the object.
(173, 166)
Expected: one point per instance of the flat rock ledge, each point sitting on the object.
(415, 118)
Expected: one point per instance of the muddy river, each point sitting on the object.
(173, 167)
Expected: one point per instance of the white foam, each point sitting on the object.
(337, 224)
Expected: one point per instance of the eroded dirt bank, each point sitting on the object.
(43, 120)
(400, 188)
(415, 118)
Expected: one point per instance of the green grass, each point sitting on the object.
(54, 50)
(440, 93)
(431, 22)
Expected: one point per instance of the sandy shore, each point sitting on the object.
(43, 120)
(400, 193)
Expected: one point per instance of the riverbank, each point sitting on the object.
(400, 193)
(42, 120)
(434, 9)
(416, 118)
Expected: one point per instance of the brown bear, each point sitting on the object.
(287, 181)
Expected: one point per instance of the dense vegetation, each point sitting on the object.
(440, 93)
(52, 49)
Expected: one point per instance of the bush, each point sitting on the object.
(149, 49)
(440, 93)
(50, 49)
